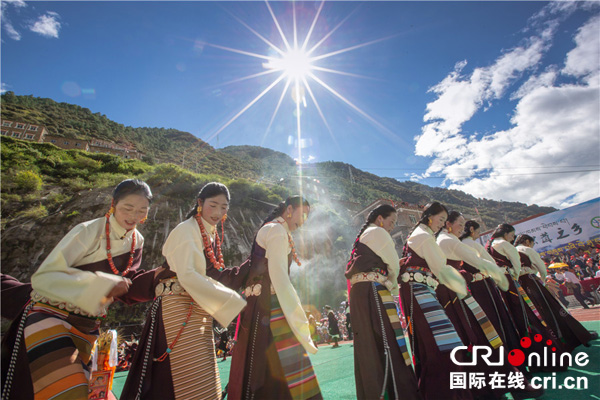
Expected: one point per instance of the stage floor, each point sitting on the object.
(335, 368)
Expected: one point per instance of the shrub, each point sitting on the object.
(36, 212)
(28, 181)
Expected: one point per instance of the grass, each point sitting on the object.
(335, 371)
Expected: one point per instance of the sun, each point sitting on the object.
(295, 64)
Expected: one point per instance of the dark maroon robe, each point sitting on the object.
(369, 351)
(157, 383)
(432, 366)
(15, 295)
(526, 322)
(256, 371)
(570, 331)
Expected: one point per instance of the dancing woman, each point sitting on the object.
(176, 355)
(381, 362)
(97, 262)
(467, 315)
(487, 291)
(570, 332)
(432, 335)
(270, 359)
(527, 319)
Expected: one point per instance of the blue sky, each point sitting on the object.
(499, 99)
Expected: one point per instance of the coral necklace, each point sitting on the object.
(220, 265)
(291, 242)
(109, 255)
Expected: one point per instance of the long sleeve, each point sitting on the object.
(510, 252)
(481, 251)
(142, 283)
(184, 254)
(454, 247)
(276, 245)
(382, 244)
(234, 278)
(56, 278)
(423, 243)
(537, 262)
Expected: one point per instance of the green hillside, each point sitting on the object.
(339, 180)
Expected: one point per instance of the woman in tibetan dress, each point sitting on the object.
(381, 362)
(46, 353)
(432, 335)
(486, 291)
(569, 331)
(176, 356)
(467, 315)
(527, 319)
(270, 359)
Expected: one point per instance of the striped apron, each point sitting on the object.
(193, 364)
(59, 346)
(298, 371)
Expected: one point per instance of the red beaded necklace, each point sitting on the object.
(220, 265)
(108, 253)
(291, 242)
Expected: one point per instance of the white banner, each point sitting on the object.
(568, 229)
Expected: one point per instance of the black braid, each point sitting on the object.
(294, 201)
(431, 209)
(468, 225)
(276, 212)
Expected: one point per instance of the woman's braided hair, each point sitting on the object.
(294, 201)
(468, 225)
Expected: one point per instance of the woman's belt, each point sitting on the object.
(64, 305)
(420, 275)
(371, 277)
(527, 271)
(253, 290)
(167, 287)
(478, 277)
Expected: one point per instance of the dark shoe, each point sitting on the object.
(594, 335)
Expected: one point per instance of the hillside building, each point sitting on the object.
(39, 133)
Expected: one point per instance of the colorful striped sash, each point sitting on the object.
(392, 312)
(59, 346)
(525, 297)
(487, 327)
(443, 331)
(298, 370)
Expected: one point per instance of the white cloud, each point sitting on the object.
(47, 25)
(553, 127)
(3, 88)
(10, 30)
(6, 22)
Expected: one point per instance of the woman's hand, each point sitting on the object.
(120, 288)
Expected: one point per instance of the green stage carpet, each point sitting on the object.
(335, 371)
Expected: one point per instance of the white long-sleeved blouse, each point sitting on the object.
(382, 244)
(422, 242)
(509, 251)
(184, 252)
(58, 280)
